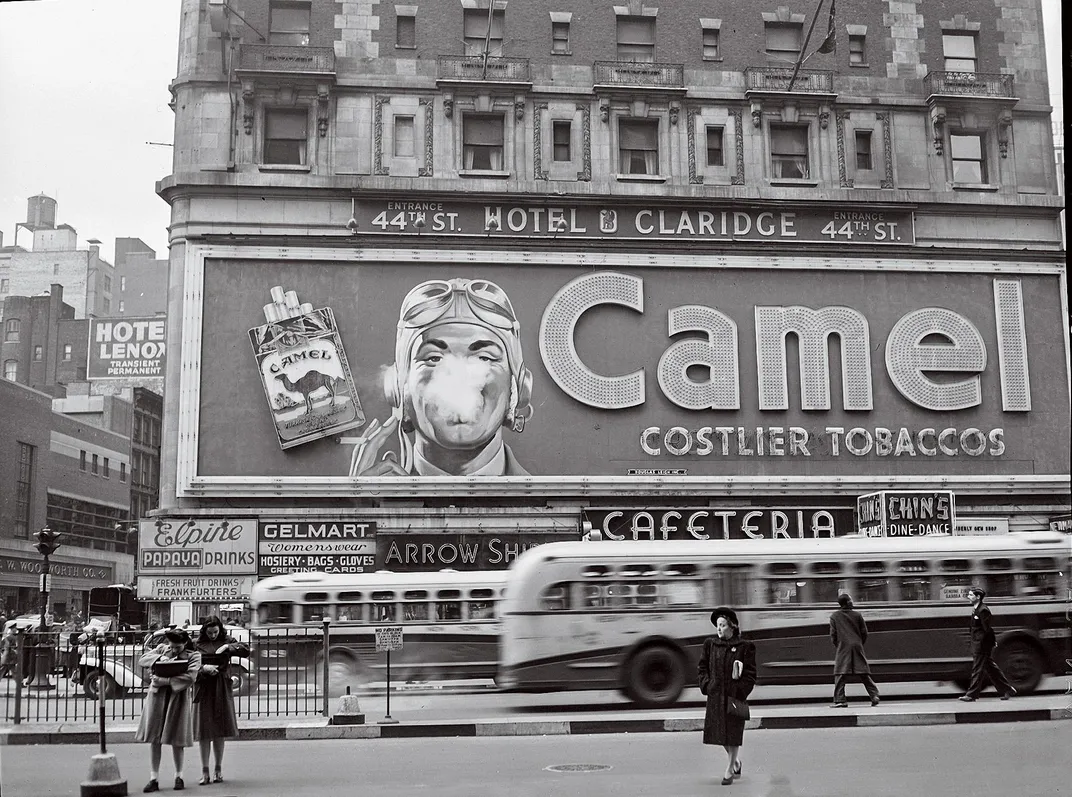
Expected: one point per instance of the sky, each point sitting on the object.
(83, 92)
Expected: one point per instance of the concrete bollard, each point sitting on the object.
(104, 779)
(348, 711)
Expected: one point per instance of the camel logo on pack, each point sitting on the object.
(304, 370)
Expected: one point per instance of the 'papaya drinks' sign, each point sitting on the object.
(906, 513)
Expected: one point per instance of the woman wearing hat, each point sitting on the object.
(727, 669)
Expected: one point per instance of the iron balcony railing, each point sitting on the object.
(776, 78)
(286, 58)
(638, 73)
(970, 84)
(499, 69)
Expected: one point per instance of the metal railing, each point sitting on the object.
(776, 78)
(638, 73)
(285, 58)
(970, 84)
(471, 67)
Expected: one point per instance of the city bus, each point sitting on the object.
(449, 621)
(632, 616)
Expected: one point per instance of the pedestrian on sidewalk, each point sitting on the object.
(7, 653)
(848, 632)
(167, 717)
(726, 674)
(983, 640)
(214, 711)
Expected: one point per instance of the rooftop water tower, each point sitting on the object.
(40, 213)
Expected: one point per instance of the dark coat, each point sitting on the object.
(715, 678)
(982, 633)
(166, 716)
(214, 712)
(848, 632)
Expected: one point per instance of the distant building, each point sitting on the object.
(43, 344)
(140, 286)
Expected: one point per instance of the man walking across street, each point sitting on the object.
(848, 632)
(983, 640)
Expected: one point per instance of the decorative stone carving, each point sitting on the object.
(377, 135)
(538, 172)
(844, 180)
(427, 105)
(887, 149)
(323, 98)
(247, 106)
(585, 175)
(519, 109)
(757, 114)
(938, 121)
(674, 110)
(604, 112)
(448, 106)
(690, 120)
(824, 117)
(738, 131)
(1004, 125)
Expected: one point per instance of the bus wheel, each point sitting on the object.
(96, 680)
(240, 683)
(655, 677)
(1022, 664)
(344, 670)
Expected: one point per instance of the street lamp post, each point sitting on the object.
(47, 543)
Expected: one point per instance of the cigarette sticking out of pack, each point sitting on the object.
(285, 305)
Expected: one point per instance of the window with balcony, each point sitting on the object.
(289, 23)
(968, 154)
(11, 330)
(11, 370)
(286, 134)
(476, 34)
(404, 144)
(68, 351)
(482, 142)
(636, 39)
(711, 50)
(715, 156)
(857, 56)
(864, 160)
(959, 52)
(789, 152)
(405, 31)
(560, 141)
(560, 38)
(39, 353)
(638, 146)
(783, 42)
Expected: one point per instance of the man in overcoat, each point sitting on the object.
(848, 632)
(983, 640)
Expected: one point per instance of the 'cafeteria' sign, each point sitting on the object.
(714, 523)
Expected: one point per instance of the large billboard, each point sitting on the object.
(602, 372)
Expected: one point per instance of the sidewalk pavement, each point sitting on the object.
(942, 711)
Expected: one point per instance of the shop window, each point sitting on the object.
(289, 23)
(638, 147)
(286, 135)
(715, 156)
(406, 32)
(636, 39)
(560, 38)
(560, 141)
(958, 50)
(475, 35)
(856, 50)
(783, 41)
(968, 154)
(863, 150)
(789, 152)
(404, 137)
(482, 142)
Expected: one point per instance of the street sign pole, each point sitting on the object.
(388, 717)
(388, 638)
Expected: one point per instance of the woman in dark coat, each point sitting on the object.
(727, 669)
(166, 717)
(214, 712)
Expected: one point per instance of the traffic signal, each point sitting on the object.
(47, 541)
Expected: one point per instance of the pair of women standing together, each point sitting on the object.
(727, 669)
(173, 717)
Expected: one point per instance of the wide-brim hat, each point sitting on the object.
(728, 613)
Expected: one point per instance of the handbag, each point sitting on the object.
(736, 707)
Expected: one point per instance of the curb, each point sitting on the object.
(319, 729)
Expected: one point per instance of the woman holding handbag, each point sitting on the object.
(726, 674)
(214, 711)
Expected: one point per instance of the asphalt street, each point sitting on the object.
(1029, 759)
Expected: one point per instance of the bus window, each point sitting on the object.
(448, 605)
(595, 571)
(729, 583)
(871, 590)
(682, 593)
(826, 590)
(826, 568)
(349, 607)
(481, 604)
(956, 565)
(1000, 585)
(619, 595)
(592, 596)
(555, 598)
(647, 594)
(1040, 563)
(871, 567)
(415, 612)
(786, 591)
(1033, 585)
(682, 570)
(915, 588)
(312, 614)
(635, 570)
(955, 588)
(383, 606)
(271, 613)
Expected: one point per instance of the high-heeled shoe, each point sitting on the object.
(738, 768)
(218, 777)
(205, 778)
(727, 781)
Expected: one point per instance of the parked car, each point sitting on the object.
(120, 672)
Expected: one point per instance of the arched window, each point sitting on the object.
(11, 370)
(11, 330)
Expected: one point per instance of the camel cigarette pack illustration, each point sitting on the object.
(303, 368)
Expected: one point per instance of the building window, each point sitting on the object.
(404, 143)
(96, 464)
(560, 141)
(11, 330)
(783, 41)
(714, 146)
(289, 23)
(82, 460)
(636, 39)
(5, 285)
(107, 284)
(107, 305)
(789, 151)
(968, 152)
(710, 44)
(24, 491)
(560, 38)
(638, 147)
(856, 51)
(482, 142)
(476, 35)
(285, 136)
(123, 472)
(106, 470)
(406, 32)
(122, 306)
(11, 370)
(959, 52)
(68, 351)
(863, 150)
(55, 269)
(39, 353)
(122, 284)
